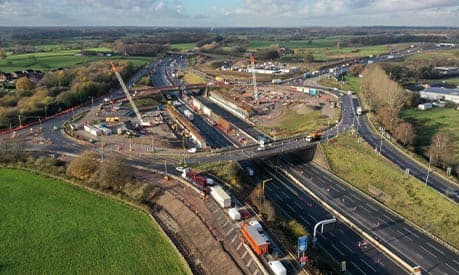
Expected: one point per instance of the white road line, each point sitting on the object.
(389, 218)
(291, 208)
(239, 246)
(256, 272)
(363, 272)
(285, 195)
(407, 230)
(337, 249)
(245, 253)
(312, 218)
(331, 234)
(278, 197)
(404, 235)
(341, 231)
(371, 207)
(225, 223)
(371, 267)
(457, 271)
(306, 221)
(249, 263)
(346, 198)
(339, 187)
(229, 232)
(354, 197)
(347, 247)
(456, 262)
(235, 236)
(216, 209)
(296, 203)
(436, 249)
(428, 251)
(366, 210)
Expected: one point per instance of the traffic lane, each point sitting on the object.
(342, 243)
(403, 161)
(391, 230)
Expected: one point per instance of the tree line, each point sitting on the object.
(56, 91)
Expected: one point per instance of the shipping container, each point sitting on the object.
(254, 239)
(220, 196)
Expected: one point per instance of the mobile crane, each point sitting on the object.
(126, 92)
(254, 78)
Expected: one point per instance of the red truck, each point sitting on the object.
(254, 239)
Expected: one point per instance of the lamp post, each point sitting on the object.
(380, 142)
(263, 185)
(428, 169)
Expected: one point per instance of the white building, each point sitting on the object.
(440, 93)
(425, 106)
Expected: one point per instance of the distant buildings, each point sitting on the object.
(440, 93)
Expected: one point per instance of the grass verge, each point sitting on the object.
(52, 227)
(380, 178)
(191, 78)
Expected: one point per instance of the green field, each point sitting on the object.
(183, 46)
(359, 165)
(51, 227)
(46, 61)
(428, 123)
(350, 83)
(294, 44)
(452, 81)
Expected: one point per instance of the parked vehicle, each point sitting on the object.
(249, 170)
(234, 214)
(220, 196)
(358, 110)
(277, 267)
(254, 239)
(188, 114)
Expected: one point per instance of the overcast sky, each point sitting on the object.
(222, 13)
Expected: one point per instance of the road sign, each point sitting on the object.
(302, 244)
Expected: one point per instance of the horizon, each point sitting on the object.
(229, 14)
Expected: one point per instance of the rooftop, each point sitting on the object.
(441, 90)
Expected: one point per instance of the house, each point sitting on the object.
(425, 106)
(440, 93)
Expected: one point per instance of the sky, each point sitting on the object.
(229, 13)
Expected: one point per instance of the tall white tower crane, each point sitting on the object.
(254, 78)
(126, 92)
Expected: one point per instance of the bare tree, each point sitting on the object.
(441, 149)
(84, 166)
(405, 133)
(114, 173)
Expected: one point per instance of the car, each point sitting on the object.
(180, 168)
(261, 148)
(192, 150)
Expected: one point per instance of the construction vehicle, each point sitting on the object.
(313, 136)
(126, 92)
(196, 179)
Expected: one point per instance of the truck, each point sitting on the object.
(188, 114)
(313, 136)
(358, 110)
(254, 239)
(220, 196)
(277, 268)
(196, 179)
(276, 81)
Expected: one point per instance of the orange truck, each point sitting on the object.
(254, 239)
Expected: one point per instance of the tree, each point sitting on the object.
(355, 70)
(114, 173)
(84, 166)
(24, 84)
(404, 132)
(441, 149)
(2, 54)
(309, 57)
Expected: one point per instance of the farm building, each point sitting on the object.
(440, 93)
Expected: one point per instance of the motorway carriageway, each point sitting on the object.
(342, 244)
(406, 241)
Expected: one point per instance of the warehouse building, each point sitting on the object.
(440, 93)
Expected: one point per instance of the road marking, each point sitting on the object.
(347, 247)
(245, 253)
(291, 208)
(225, 223)
(372, 208)
(229, 232)
(404, 235)
(352, 263)
(337, 249)
(239, 246)
(371, 267)
(428, 251)
(256, 272)
(436, 249)
(331, 234)
(337, 186)
(306, 221)
(249, 263)
(346, 198)
(278, 197)
(456, 262)
(412, 233)
(311, 217)
(341, 231)
(285, 195)
(299, 206)
(389, 218)
(235, 236)
(457, 271)
(353, 196)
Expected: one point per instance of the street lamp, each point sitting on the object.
(263, 185)
(380, 143)
(428, 169)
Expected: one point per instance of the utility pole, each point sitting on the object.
(428, 170)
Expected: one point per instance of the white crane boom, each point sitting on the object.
(126, 92)
(254, 78)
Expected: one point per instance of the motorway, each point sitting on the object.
(409, 243)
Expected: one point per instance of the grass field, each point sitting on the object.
(183, 46)
(350, 83)
(361, 166)
(428, 123)
(51, 227)
(46, 61)
(191, 78)
(453, 80)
